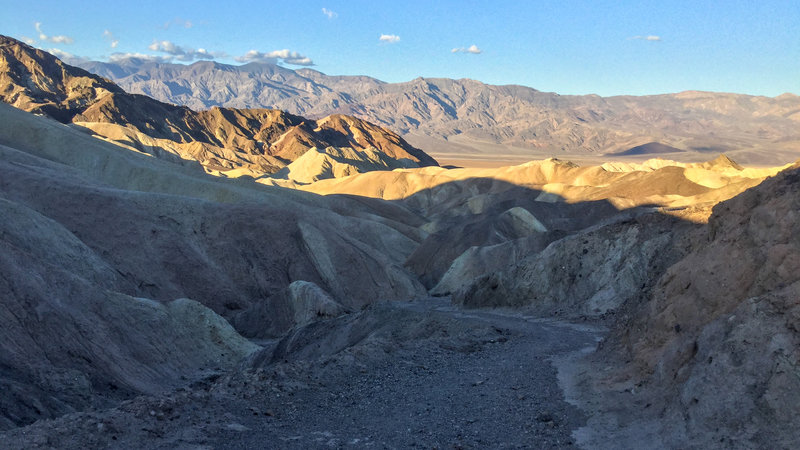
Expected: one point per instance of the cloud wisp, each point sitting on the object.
(67, 57)
(58, 39)
(473, 49)
(60, 54)
(183, 53)
(273, 57)
(389, 38)
(651, 38)
(119, 57)
(329, 13)
(109, 36)
(178, 22)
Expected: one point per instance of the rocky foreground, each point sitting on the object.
(419, 374)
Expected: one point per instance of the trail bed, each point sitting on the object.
(467, 379)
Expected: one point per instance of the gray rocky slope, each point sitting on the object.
(703, 348)
(100, 245)
(718, 336)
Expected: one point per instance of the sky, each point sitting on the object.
(569, 47)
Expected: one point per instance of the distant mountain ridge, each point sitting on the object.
(260, 141)
(467, 111)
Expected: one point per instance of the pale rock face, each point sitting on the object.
(311, 303)
(523, 222)
(744, 379)
(478, 261)
(587, 273)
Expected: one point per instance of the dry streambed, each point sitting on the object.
(393, 375)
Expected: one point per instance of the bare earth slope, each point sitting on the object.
(258, 140)
(469, 117)
(100, 245)
(718, 336)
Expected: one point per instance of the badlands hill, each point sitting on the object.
(467, 118)
(479, 218)
(103, 247)
(252, 141)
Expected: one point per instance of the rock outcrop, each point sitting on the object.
(71, 339)
(588, 273)
(718, 337)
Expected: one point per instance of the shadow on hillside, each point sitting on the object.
(504, 223)
(151, 150)
(239, 258)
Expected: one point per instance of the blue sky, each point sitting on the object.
(569, 47)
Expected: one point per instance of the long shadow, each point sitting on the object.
(484, 212)
(152, 150)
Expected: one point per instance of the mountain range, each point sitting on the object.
(256, 141)
(449, 117)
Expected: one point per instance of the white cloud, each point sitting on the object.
(647, 38)
(28, 40)
(60, 54)
(117, 57)
(183, 53)
(471, 49)
(286, 56)
(172, 52)
(67, 57)
(390, 38)
(59, 39)
(38, 26)
(329, 13)
(109, 36)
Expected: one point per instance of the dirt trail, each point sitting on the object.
(461, 379)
